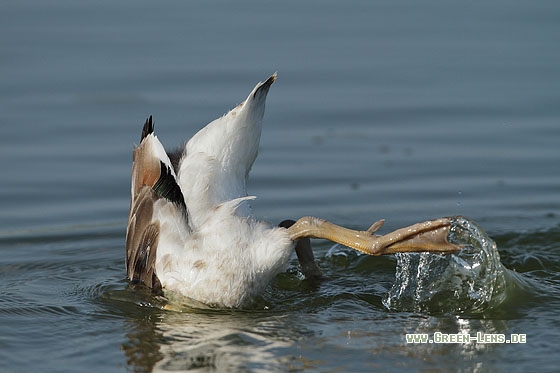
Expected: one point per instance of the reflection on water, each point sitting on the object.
(210, 340)
(473, 351)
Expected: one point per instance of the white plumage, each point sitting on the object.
(190, 230)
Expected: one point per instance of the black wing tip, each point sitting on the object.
(264, 87)
(148, 128)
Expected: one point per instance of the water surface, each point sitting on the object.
(403, 111)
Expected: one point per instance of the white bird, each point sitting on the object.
(190, 231)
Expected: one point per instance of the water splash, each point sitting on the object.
(471, 281)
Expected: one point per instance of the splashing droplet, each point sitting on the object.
(470, 281)
(459, 194)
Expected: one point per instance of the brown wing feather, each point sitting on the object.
(142, 236)
(142, 239)
(145, 168)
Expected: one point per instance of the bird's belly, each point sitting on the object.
(231, 272)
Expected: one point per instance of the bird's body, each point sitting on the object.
(190, 228)
(210, 248)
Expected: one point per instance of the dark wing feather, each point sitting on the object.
(147, 129)
(176, 156)
(166, 186)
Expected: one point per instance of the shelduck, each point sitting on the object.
(190, 230)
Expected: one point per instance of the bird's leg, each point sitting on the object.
(305, 256)
(428, 236)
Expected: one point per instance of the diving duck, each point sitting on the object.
(190, 230)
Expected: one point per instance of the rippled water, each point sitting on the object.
(403, 111)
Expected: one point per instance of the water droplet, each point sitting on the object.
(459, 193)
(468, 281)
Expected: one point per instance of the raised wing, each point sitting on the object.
(216, 162)
(155, 198)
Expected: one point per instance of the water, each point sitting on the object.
(469, 282)
(403, 111)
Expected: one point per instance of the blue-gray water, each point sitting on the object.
(399, 110)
